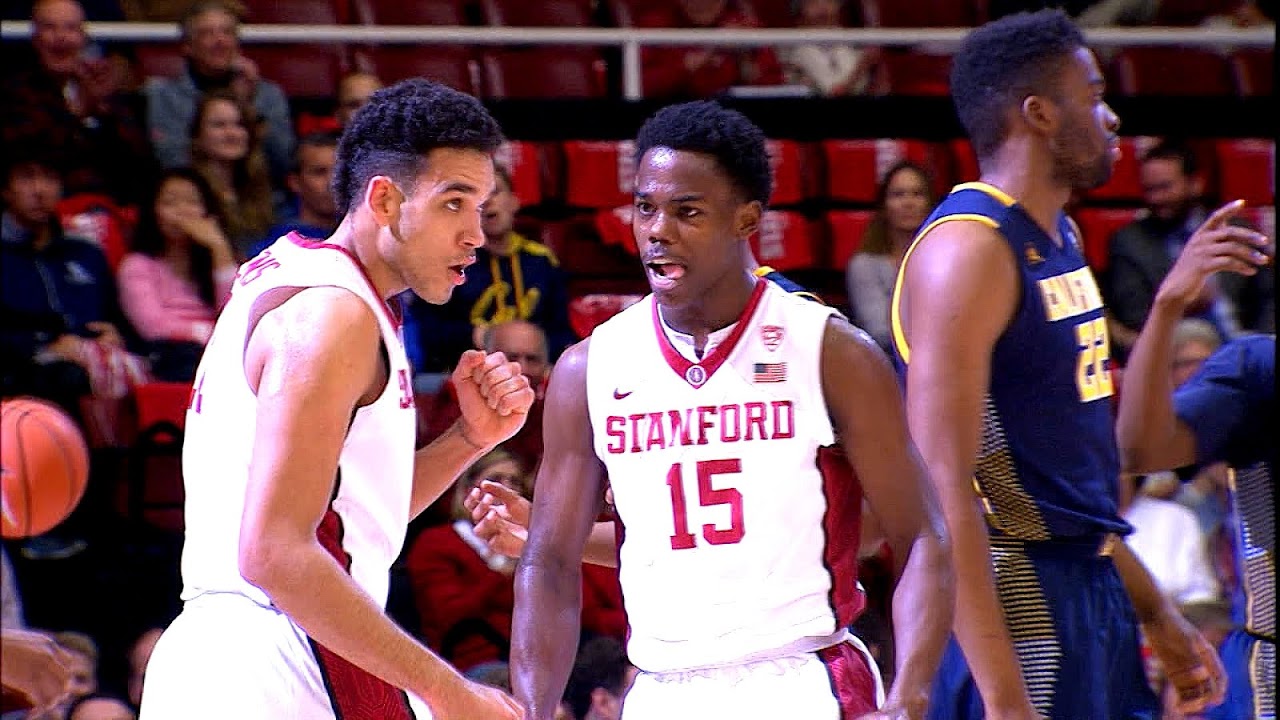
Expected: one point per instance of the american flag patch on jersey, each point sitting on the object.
(770, 372)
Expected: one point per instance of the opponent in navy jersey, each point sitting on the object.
(299, 457)
(719, 504)
(1226, 413)
(1001, 335)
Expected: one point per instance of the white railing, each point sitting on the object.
(631, 40)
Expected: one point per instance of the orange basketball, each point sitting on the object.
(44, 467)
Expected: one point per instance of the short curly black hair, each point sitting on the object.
(1001, 63)
(727, 135)
(393, 132)
(601, 663)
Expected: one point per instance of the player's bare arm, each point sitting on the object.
(495, 398)
(501, 517)
(866, 408)
(548, 581)
(312, 361)
(959, 293)
(1149, 434)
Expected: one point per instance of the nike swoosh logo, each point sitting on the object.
(619, 395)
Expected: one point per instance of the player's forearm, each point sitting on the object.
(923, 604)
(1146, 424)
(438, 465)
(309, 586)
(544, 633)
(979, 623)
(602, 546)
(1149, 603)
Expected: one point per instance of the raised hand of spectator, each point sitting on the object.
(68, 347)
(245, 84)
(203, 230)
(36, 667)
(100, 81)
(107, 333)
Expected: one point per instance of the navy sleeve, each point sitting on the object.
(1227, 403)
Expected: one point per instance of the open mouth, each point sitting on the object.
(664, 274)
(458, 272)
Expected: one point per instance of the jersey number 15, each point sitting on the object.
(707, 497)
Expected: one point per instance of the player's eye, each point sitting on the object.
(454, 204)
(644, 207)
(690, 212)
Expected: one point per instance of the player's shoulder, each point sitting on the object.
(317, 312)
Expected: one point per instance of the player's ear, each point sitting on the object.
(383, 198)
(1040, 113)
(748, 217)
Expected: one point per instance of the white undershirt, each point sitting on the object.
(684, 344)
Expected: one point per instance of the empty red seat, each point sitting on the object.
(411, 12)
(624, 13)
(523, 162)
(163, 60)
(922, 13)
(613, 225)
(538, 13)
(598, 174)
(1254, 71)
(1246, 170)
(1125, 184)
(770, 13)
(450, 65)
(855, 167)
(1097, 225)
(846, 228)
(586, 313)
(964, 163)
(1262, 218)
(544, 73)
(786, 157)
(162, 402)
(1171, 71)
(99, 219)
(290, 12)
(785, 241)
(914, 73)
(305, 70)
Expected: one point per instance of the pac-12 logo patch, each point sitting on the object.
(772, 336)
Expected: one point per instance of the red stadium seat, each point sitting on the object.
(1097, 225)
(922, 13)
(1171, 71)
(545, 73)
(164, 60)
(790, 184)
(450, 65)
(770, 13)
(598, 174)
(1190, 12)
(291, 12)
(624, 13)
(1125, 184)
(411, 12)
(98, 219)
(614, 228)
(538, 13)
(964, 164)
(301, 70)
(846, 228)
(524, 163)
(785, 241)
(1246, 170)
(855, 167)
(1254, 71)
(913, 73)
(587, 312)
(1262, 218)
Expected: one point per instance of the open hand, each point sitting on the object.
(494, 396)
(501, 517)
(1215, 247)
(473, 701)
(36, 667)
(1189, 662)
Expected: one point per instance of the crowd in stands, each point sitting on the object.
(130, 202)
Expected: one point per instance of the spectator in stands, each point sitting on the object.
(226, 152)
(211, 43)
(463, 590)
(58, 297)
(514, 278)
(1141, 253)
(354, 90)
(67, 96)
(697, 72)
(178, 274)
(1088, 13)
(1167, 538)
(1244, 14)
(314, 214)
(836, 69)
(601, 677)
(904, 201)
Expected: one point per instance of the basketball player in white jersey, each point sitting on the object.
(299, 460)
(712, 405)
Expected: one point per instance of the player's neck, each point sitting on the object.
(718, 308)
(1032, 186)
(385, 281)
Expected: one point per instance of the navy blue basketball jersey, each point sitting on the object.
(1047, 465)
(767, 273)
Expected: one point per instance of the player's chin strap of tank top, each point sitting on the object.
(791, 651)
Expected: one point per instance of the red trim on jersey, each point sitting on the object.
(852, 682)
(393, 311)
(620, 534)
(354, 693)
(842, 526)
(714, 359)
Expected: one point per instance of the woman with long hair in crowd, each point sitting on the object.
(225, 149)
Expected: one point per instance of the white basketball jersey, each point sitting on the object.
(714, 467)
(365, 525)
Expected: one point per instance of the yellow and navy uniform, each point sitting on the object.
(1046, 475)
